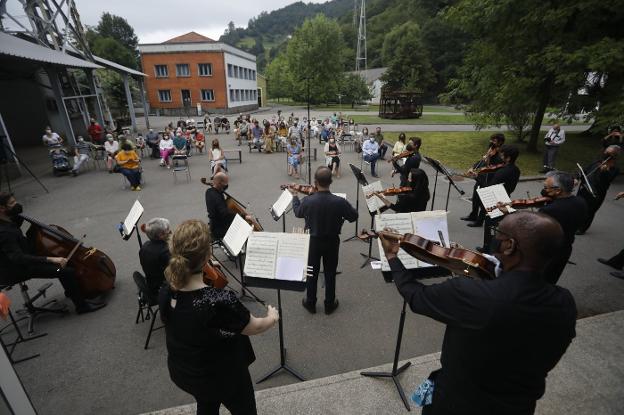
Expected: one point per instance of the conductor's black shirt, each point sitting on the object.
(502, 337)
(220, 216)
(324, 213)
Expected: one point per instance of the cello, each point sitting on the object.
(237, 207)
(95, 271)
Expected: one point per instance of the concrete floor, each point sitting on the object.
(95, 363)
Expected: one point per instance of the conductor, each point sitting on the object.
(324, 215)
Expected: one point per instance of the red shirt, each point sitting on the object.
(95, 132)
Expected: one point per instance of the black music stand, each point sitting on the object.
(279, 285)
(441, 169)
(369, 257)
(360, 181)
(135, 220)
(425, 272)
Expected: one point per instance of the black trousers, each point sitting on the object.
(477, 211)
(326, 248)
(593, 204)
(241, 402)
(66, 276)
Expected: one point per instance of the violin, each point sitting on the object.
(237, 207)
(484, 170)
(94, 270)
(307, 189)
(213, 275)
(530, 203)
(458, 260)
(392, 191)
(401, 155)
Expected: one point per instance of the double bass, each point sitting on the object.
(94, 270)
(237, 207)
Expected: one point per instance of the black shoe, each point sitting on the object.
(617, 274)
(374, 175)
(476, 224)
(469, 218)
(607, 262)
(74, 173)
(89, 308)
(330, 308)
(311, 308)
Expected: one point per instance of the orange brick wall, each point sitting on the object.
(194, 83)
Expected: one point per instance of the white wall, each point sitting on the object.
(240, 83)
(376, 91)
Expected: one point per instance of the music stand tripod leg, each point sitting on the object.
(369, 257)
(282, 365)
(396, 371)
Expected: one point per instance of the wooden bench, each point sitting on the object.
(233, 150)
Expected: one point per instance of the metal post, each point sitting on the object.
(94, 90)
(145, 109)
(129, 102)
(309, 146)
(60, 103)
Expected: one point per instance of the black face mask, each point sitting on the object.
(495, 245)
(225, 188)
(16, 210)
(544, 193)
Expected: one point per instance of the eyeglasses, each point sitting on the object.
(550, 187)
(497, 230)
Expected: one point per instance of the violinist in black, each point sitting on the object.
(414, 201)
(18, 262)
(412, 162)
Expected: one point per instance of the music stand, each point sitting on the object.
(585, 180)
(360, 181)
(130, 224)
(419, 273)
(441, 169)
(369, 257)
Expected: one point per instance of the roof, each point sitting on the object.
(371, 75)
(14, 46)
(158, 48)
(117, 67)
(190, 37)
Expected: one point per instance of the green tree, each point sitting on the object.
(353, 89)
(111, 49)
(279, 80)
(117, 27)
(408, 61)
(314, 59)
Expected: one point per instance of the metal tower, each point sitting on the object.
(360, 59)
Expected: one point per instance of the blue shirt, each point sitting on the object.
(370, 147)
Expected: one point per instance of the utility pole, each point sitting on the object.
(360, 59)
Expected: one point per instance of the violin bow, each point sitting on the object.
(73, 251)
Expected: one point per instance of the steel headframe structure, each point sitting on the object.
(360, 59)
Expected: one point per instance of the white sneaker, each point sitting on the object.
(162, 162)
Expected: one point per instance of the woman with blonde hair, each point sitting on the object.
(218, 162)
(207, 329)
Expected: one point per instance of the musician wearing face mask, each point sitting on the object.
(600, 174)
(570, 211)
(411, 162)
(220, 215)
(414, 201)
(18, 262)
(489, 360)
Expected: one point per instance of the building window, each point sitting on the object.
(231, 95)
(246, 95)
(205, 69)
(253, 73)
(161, 71)
(182, 69)
(230, 73)
(244, 73)
(164, 95)
(207, 95)
(238, 95)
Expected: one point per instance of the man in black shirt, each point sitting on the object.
(600, 175)
(412, 162)
(491, 158)
(502, 336)
(220, 216)
(18, 263)
(324, 215)
(570, 211)
(414, 201)
(154, 254)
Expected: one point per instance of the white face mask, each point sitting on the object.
(110, 140)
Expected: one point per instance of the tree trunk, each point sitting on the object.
(546, 90)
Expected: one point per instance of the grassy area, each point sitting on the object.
(460, 150)
(425, 119)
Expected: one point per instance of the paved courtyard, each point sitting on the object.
(95, 363)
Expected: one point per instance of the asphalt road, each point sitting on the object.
(95, 363)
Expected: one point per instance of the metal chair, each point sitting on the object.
(180, 164)
(5, 311)
(148, 305)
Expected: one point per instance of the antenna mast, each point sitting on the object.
(360, 59)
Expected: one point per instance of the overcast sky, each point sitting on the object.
(155, 21)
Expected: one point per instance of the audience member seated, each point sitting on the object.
(154, 254)
(268, 135)
(294, 157)
(179, 143)
(370, 150)
(256, 135)
(152, 140)
(81, 154)
(332, 156)
(200, 142)
(111, 146)
(140, 142)
(130, 165)
(166, 150)
(282, 134)
(218, 163)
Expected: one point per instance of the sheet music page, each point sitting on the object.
(282, 203)
(342, 195)
(133, 217)
(237, 235)
(261, 254)
(292, 256)
(402, 223)
(491, 195)
(427, 224)
(374, 202)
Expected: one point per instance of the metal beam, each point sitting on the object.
(145, 109)
(129, 102)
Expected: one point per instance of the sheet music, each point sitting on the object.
(282, 203)
(491, 195)
(261, 254)
(374, 203)
(237, 235)
(133, 217)
(342, 195)
(402, 223)
(427, 224)
(277, 255)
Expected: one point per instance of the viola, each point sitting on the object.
(94, 270)
(213, 275)
(237, 207)
(458, 260)
(307, 189)
(401, 155)
(392, 191)
(530, 203)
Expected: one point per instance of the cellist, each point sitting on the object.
(19, 264)
(220, 215)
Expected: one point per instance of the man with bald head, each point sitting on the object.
(324, 215)
(220, 215)
(502, 336)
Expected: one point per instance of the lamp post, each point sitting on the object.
(309, 146)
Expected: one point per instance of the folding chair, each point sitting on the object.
(148, 305)
(180, 164)
(5, 311)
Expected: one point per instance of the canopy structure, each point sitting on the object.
(400, 104)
